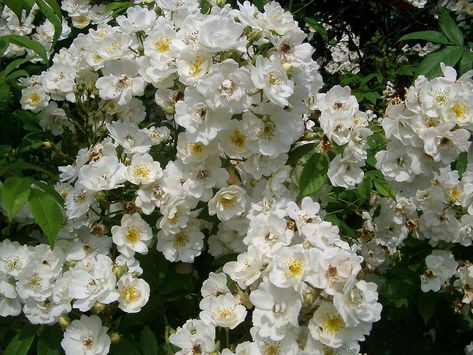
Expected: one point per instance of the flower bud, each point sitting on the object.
(115, 337)
(99, 307)
(288, 68)
(64, 321)
(254, 36)
(184, 268)
(169, 110)
(47, 144)
(309, 298)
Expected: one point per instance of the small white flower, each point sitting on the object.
(133, 235)
(270, 76)
(194, 336)
(184, 245)
(247, 269)
(107, 173)
(143, 170)
(34, 98)
(121, 82)
(86, 336)
(275, 309)
(134, 293)
(228, 202)
(224, 311)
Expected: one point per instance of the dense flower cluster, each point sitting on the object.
(10, 24)
(236, 88)
(428, 132)
(302, 282)
(344, 58)
(80, 272)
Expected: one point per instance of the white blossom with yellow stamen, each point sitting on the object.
(133, 235)
(134, 293)
(143, 170)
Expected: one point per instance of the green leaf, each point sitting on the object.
(314, 175)
(22, 165)
(53, 4)
(317, 27)
(450, 28)
(382, 187)
(364, 189)
(48, 9)
(4, 92)
(16, 74)
(16, 6)
(3, 46)
(149, 344)
(426, 305)
(260, 4)
(118, 7)
(297, 153)
(15, 64)
(29, 120)
(21, 343)
(14, 194)
(461, 163)
(49, 341)
(466, 63)
(432, 36)
(372, 96)
(341, 224)
(28, 43)
(124, 347)
(47, 213)
(430, 65)
(28, 5)
(50, 190)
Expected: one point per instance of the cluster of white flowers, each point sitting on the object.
(10, 24)
(343, 58)
(463, 9)
(46, 284)
(428, 135)
(420, 4)
(235, 88)
(300, 281)
(82, 13)
(418, 49)
(344, 126)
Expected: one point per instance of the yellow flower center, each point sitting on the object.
(268, 131)
(228, 200)
(196, 67)
(133, 235)
(273, 78)
(181, 239)
(271, 349)
(12, 262)
(34, 281)
(332, 323)
(142, 171)
(79, 198)
(130, 293)
(455, 194)
(238, 139)
(87, 342)
(295, 267)
(35, 98)
(459, 110)
(163, 45)
(225, 313)
(196, 147)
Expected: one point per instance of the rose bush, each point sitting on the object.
(239, 178)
